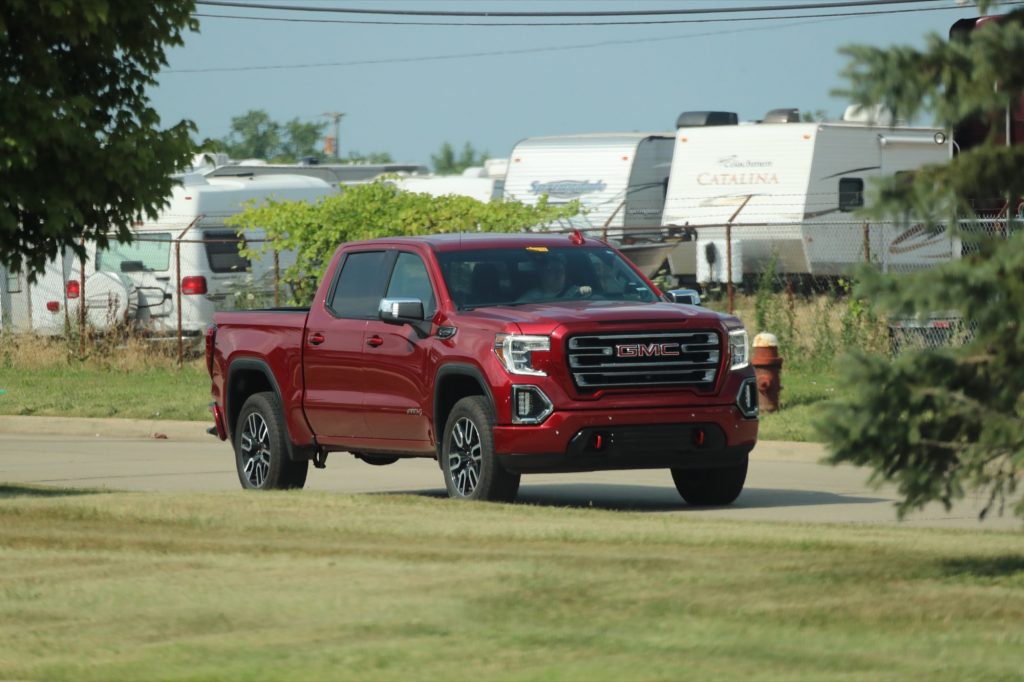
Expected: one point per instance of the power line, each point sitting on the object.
(538, 15)
(559, 48)
(384, 22)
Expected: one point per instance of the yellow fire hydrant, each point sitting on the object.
(768, 369)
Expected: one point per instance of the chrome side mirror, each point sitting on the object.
(685, 296)
(401, 310)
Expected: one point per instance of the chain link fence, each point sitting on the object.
(790, 278)
(163, 285)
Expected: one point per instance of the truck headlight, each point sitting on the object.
(516, 352)
(739, 349)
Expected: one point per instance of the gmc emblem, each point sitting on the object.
(646, 350)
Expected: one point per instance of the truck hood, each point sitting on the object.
(544, 318)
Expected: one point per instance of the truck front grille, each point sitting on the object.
(646, 359)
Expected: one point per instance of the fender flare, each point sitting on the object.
(260, 366)
(457, 369)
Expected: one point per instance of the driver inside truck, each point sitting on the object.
(551, 282)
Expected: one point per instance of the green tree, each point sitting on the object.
(939, 422)
(378, 209)
(82, 152)
(447, 162)
(254, 135)
(302, 140)
(372, 157)
(814, 116)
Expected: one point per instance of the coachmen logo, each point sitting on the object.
(646, 350)
(567, 188)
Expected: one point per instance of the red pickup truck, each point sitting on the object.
(496, 355)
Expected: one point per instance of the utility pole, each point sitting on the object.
(336, 116)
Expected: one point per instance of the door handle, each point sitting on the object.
(375, 341)
(316, 338)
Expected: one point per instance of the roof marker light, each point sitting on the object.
(577, 238)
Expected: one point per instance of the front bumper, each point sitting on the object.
(679, 437)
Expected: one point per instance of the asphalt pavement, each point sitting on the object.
(786, 482)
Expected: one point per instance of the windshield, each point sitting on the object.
(150, 251)
(539, 274)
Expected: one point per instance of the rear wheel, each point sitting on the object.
(711, 487)
(470, 465)
(261, 447)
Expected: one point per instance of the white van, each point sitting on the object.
(213, 274)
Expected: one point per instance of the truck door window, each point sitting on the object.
(222, 251)
(360, 285)
(851, 194)
(410, 280)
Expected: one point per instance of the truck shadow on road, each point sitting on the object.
(10, 490)
(649, 498)
(654, 498)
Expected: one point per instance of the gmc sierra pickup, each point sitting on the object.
(496, 355)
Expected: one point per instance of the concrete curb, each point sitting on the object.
(107, 428)
(189, 431)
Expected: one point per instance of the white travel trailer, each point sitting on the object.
(619, 178)
(789, 188)
(39, 307)
(213, 274)
(50, 304)
(483, 183)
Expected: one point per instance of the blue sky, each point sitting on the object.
(640, 78)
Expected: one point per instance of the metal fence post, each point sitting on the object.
(6, 314)
(728, 263)
(277, 280)
(728, 249)
(81, 301)
(177, 267)
(867, 243)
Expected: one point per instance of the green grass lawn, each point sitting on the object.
(165, 392)
(128, 586)
(161, 391)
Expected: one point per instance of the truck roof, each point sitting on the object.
(487, 240)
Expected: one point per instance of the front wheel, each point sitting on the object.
(471, 468)
(711, 487)
(261, 447)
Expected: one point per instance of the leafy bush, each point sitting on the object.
(377, 209)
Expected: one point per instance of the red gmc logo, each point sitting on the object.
(646, 350)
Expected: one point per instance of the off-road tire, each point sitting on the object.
(711, 487)
(261, 447)
(471, 467)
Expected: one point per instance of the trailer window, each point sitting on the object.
(148, 252)
(222, 251)
(851, 194)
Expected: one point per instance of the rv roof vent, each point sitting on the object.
(782, 116)
(696, 119)
(878, 115)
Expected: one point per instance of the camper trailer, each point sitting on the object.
(50, 304)
(790, 189)
(213, 274)
(483, 183)
(618, 178)
(333, 173)
(38, 307)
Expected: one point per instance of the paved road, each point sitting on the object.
(785, 482)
